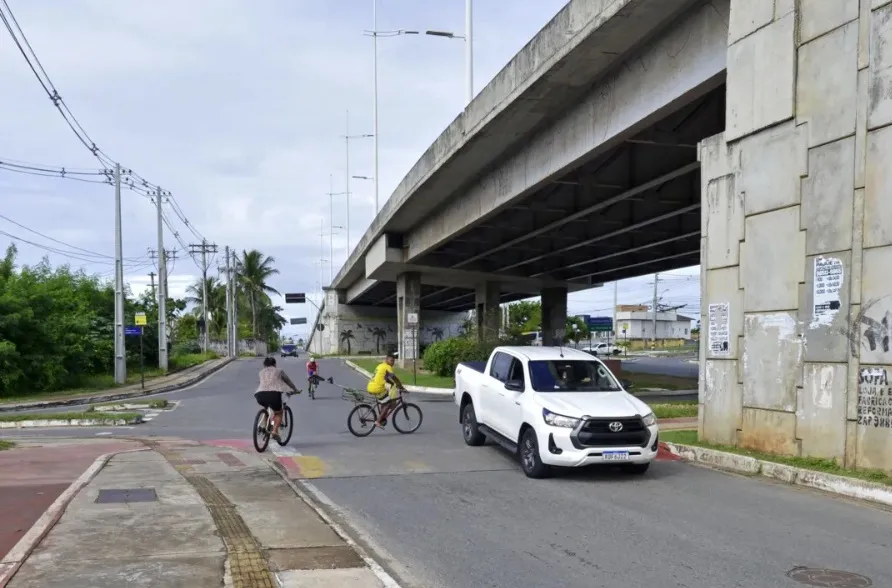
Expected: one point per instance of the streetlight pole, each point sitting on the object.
(469, 51)
(347, 138)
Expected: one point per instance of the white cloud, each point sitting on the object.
(237, 108)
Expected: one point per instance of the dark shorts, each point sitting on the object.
(271, 400)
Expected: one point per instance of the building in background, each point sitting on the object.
(638, 323)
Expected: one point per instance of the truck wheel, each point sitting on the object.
(471, 433)
(637, 468)
(529, 456)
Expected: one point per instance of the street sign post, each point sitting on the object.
(412, 318)
(140, 319)
(599, 324)
(295, 298)
(299, 321)
(137, 331)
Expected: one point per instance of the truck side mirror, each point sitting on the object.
(514, 385)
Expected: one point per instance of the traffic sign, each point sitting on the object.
(132, 330)
(295, 298)
(140, 318)
(600, 324)
(412, 318)
(299, 321)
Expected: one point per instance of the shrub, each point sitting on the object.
(179, 362)
(442, 357)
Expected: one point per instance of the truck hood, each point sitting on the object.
(593, 404)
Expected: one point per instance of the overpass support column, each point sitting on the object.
(408, 302)
(797, 236)
(554, 315)
(487, 311)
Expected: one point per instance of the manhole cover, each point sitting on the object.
(828, 578)
(125, 496)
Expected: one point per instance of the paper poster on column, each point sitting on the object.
(720, 329)
(827, 286)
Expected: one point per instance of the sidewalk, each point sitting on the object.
(178, 513)
(168, 383)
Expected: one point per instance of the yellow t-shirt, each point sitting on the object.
(378, 383)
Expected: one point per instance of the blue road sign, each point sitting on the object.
(600, 323)
(132, 330)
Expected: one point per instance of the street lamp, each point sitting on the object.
(347, 138)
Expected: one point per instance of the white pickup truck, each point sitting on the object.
(554, 406)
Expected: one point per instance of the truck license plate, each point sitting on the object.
(616, 456)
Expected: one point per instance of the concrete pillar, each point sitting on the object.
(487, 311)
(330, 335)
(797, 235)
(554, 316)
(408, 305)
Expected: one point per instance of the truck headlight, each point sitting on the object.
(558, 420)
(649, 419)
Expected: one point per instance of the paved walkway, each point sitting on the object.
(172, 381)
(35, 473)
(180, 513)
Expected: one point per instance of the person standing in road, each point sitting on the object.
(273, 383)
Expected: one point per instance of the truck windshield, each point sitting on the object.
(571, 376)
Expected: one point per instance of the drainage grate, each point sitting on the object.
(828, 578)
(126, 496)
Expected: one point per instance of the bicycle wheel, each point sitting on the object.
(311, 390)
(261, 430)
(365, 416)
(407, 418)
(286, 429)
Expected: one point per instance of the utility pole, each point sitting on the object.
(347, 138)
(204, 248)
(162, 287)
(469, 52)
(234, 294)
(375, 99)
(120, 350)
(228, 308)
(656, 282)
(333, 226)
(152, 278)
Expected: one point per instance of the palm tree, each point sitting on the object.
(253, 271)
(216, 302)
(270, 319)
(379, 334)
(346, 337)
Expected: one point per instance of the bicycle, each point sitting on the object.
(263, 425)
(313, 383)
(366, 412)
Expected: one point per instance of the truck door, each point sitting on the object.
(492, 386)
(506, 417)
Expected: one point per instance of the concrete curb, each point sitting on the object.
(646, 393)
(100, 398)
(13, 560)
(386, 579)
(416, 389)
(840, 485)
(42, 423)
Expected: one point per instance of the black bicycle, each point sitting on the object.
(313, 383)
(406, 416)
(263, 425)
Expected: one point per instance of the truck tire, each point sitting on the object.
(529, 456)
(470, 432)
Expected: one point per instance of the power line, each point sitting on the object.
(57, 251)
(87, 251)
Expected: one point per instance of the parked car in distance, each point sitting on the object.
(555, 407)
(289, 350)
(602, 349)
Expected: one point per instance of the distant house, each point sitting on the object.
(638, 324)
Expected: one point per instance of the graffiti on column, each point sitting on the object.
(874, 398)
(875, 336)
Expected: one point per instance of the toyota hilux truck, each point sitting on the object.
(554, 407)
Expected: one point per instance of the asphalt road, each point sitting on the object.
(460, 517)
(667, 366)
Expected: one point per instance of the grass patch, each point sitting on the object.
(640, 381)
(103, 382)
(66, 416)
(827, 466)
(406, 376)
(4, 445)
(676, 410)
(145, 403)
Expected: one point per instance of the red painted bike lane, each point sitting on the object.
(35, 473)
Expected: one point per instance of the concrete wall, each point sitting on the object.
(373, 329)
(643, 329)
(797, 234)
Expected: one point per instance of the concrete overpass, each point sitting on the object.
(579, 164)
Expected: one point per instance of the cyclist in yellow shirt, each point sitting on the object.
(384, 386)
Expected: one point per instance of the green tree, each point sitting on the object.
(524, 316)
(254, 269)
(577, 330)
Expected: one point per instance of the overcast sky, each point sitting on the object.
(238, 108)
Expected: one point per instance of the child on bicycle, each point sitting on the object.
(273, 383)
(312, 369)
(384, 386)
